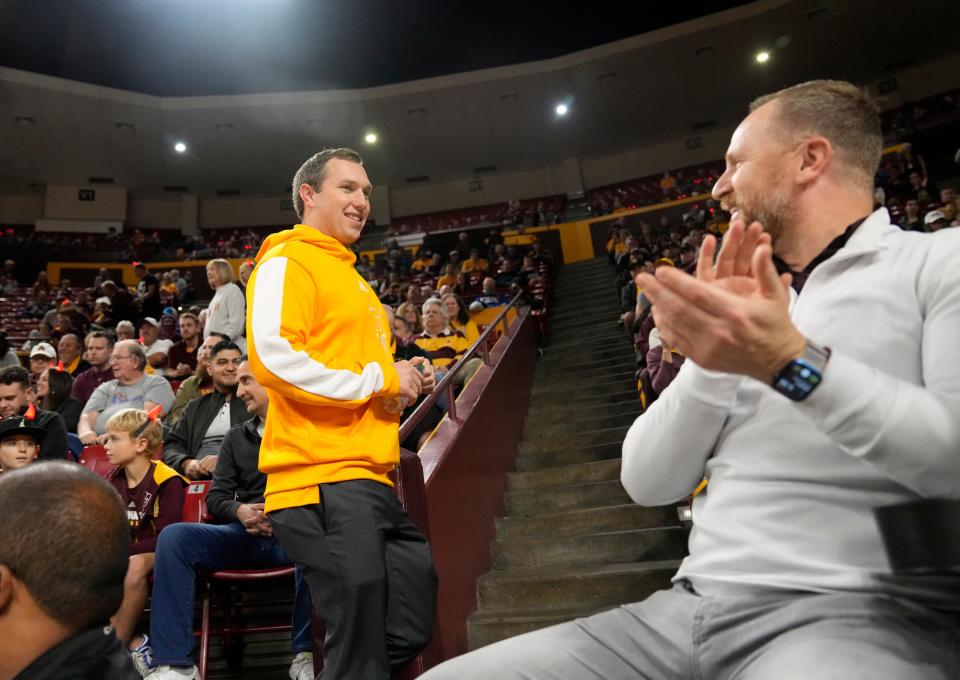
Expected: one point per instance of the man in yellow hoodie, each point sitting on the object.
(319, 342)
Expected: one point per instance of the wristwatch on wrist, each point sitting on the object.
(799, 378)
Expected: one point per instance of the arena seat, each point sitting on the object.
(94, 458)
(223, 583)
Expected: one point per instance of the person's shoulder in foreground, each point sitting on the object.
(51, 626)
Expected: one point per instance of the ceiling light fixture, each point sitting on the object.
(763, 57)
(371, 138)
(180, 147)
(562, 109)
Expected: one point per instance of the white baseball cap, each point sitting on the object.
(45, 349)
(150, 320)
(933, 216)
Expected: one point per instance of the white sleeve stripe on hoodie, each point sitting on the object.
(297, 367)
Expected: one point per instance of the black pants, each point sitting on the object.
(370, 576)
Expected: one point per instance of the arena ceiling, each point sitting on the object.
(95, 90)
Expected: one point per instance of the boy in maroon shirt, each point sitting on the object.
(152, 494)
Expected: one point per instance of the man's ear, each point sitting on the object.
(306, 194)
(816, 153)
(6, 587)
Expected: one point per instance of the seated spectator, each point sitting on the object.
(70, 351)
(41, 356)
(16, 399)
(125, 331)
(463, 245)
(540, 254)
(102, 312)
(19, 443)
(405, 348)
(102, 277)
(412, 295)
(227, 312)
(445, 345)
(948, 203)
(167, 286)
(197, 385)
(8, 357)
(122, 305)
(435, 268)
(423, 258)
(191, 446)
(155, 347)
(392, 294)
(33, 337)
(244, 272)
(181, 283)
(933, 221)
(410, 313)
(53, 626)
(153, 495)
(98, 344)
(474, 263)
(912, 219)
(53, 391)
(131, 388)
(241, 538)
(490, 297)
(449, 277)
(663, 364)
(42, 284)
(459, 317)
(182, 357)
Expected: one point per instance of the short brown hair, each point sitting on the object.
(132, 419)
(313, 170)
(841, 112)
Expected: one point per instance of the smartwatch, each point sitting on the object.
(799, 378)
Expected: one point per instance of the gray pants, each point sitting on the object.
(677, 634)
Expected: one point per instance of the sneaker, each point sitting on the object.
(302, 666)
(142, 656)
(174, 673)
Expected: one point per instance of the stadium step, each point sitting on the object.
(571, 543)
(633, 545)
(582, 411)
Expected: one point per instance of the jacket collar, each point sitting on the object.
(870, 237)
(250, 427)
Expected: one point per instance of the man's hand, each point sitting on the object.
(252, 517)
(193, 469)
(743, 328)
(184, 369)
(208, 464)
(88, 438)
(411, 382)
(428, 377)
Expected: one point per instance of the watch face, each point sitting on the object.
(797, 380)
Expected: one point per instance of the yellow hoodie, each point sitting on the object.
(319, 342)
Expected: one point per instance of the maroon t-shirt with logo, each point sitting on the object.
(151, 505)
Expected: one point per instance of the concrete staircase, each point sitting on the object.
(572, 543)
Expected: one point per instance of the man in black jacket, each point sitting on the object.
(241, 539)
(52, 626)
(15, 400)
(192, 445)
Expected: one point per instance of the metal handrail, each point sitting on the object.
(447, 383)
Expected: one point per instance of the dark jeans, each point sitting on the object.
(370, 576)
(182, 550)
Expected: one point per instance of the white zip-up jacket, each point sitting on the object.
(792, 485)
